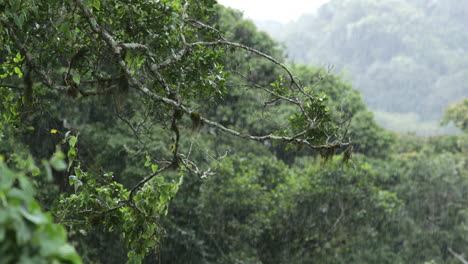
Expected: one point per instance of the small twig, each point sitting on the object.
(458, 256)
(10, 86)
(175, 129)
(145, 180)
(220, 35)
(241, 46)
(132, 128)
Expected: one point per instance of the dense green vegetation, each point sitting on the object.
(163, 132)
(411, 51)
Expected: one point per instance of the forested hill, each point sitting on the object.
(409, 58)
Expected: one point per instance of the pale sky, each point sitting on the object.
(279, 10)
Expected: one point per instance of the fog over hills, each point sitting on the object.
(280, 11)
(409, 58)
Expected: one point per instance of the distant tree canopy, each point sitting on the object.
(404, 56)
(458, 114)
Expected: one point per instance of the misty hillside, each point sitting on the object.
(408, 58)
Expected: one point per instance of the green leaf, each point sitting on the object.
(57, 161)
(75, 182)
(7, 179)
(36, 216)
(76, 78)
(35, 171)
(73, 140)
(19, 20)
(15, 193)
(97, 4)
(71, 154)
(23, 233)
(19, 57)
(18, 71)
(148, 161)
(58, 164)
(68, 252)
(25, 184)
(154, 168)
(48, 170)
(78, 172)
(2, 233)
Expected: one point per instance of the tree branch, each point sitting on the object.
(45, 77)
(116, 49)
(458, 256)
(10, 86)
(244, 47)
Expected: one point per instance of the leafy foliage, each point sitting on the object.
(458, 114)
(27, 234)
(346, 104)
